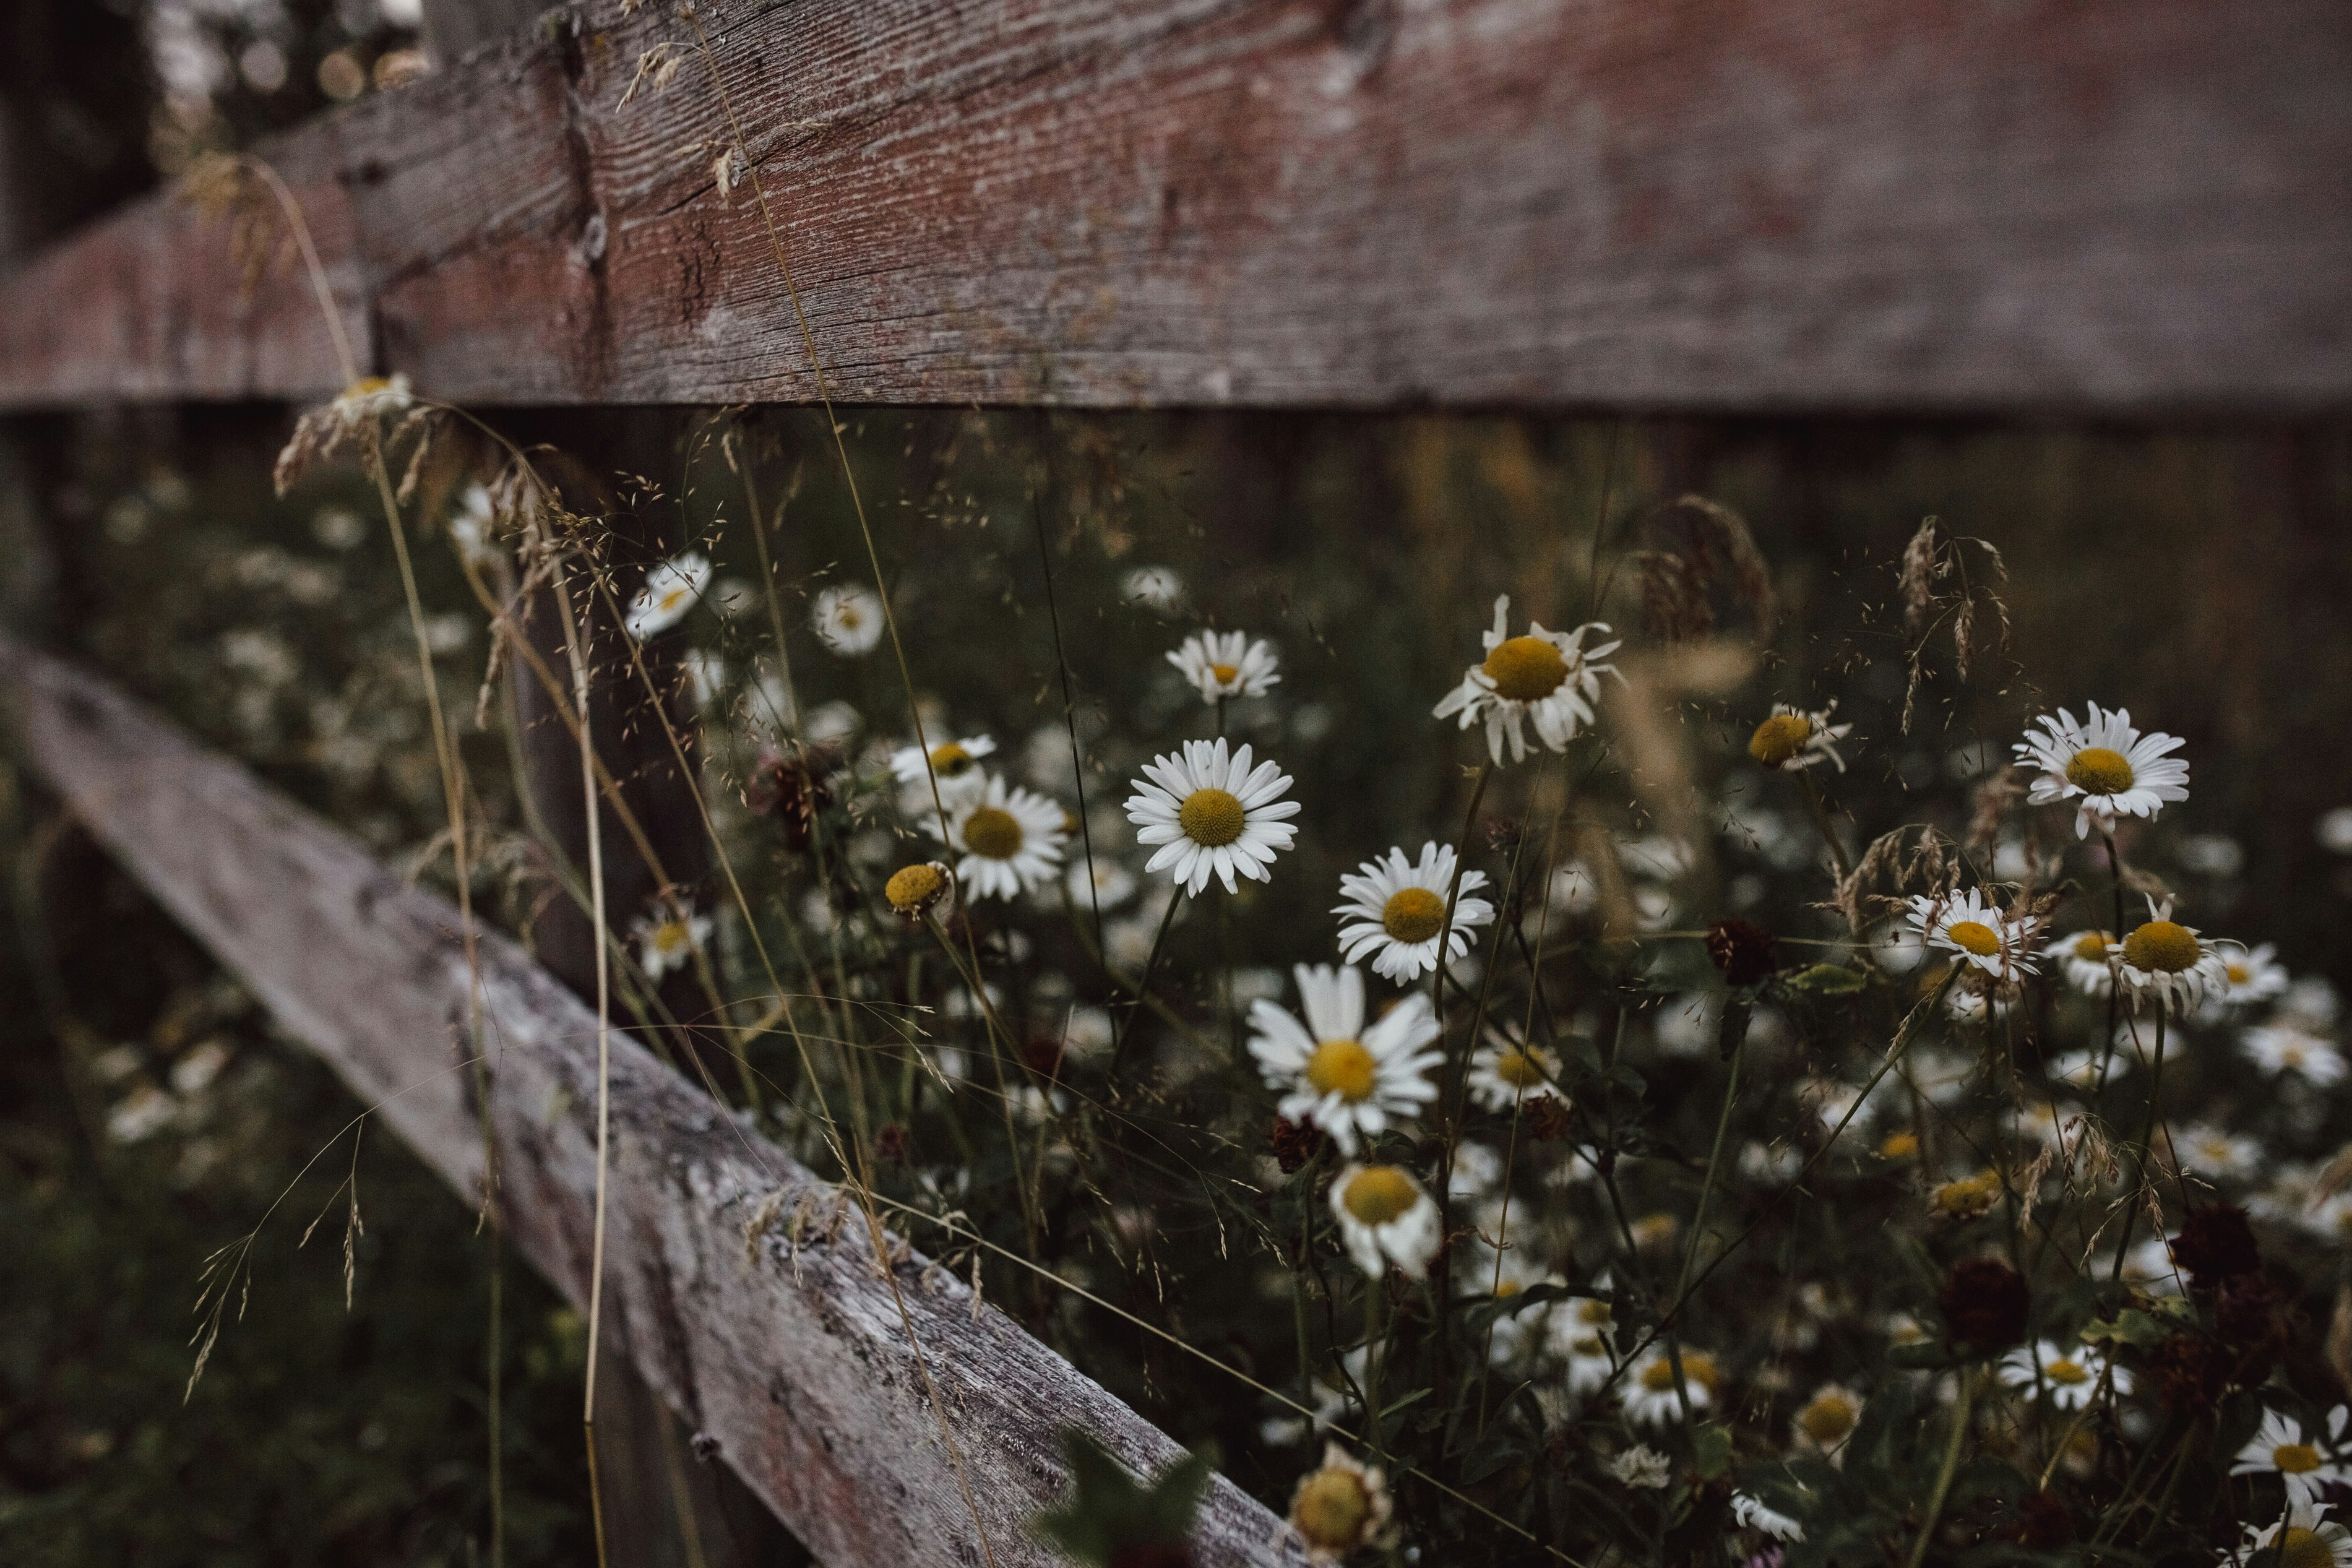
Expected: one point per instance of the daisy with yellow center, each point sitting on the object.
(671, 591)
(1010, 839)
(1221, 665)
(2307, 1465)
(2285, 1046)
(1649, 1390)
(667, 939)
(1393, 909)
(954, 764)
(1550, 678)
(1793, 739)
(2306, 1538)
(1827, 1420)
(2084, 959)
(913, 891)
(1346, 1079)
(2249, 975)
(1507, 1071)
(2216, 1153)
(1385, 1217)
(2166, 964)
(1578, 1330)
(1341, 1507)
(1212, 814)
(848, 618)
(2107, 764)
(1966, 1198)
(1979, 933)
(2070, 1373)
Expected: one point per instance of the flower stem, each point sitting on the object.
(1950, 1468)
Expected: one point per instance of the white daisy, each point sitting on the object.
(2165, 963)
(2211, 1152)
(1396, 908)
(955, 763)
(1336, 1073)
(1156, 587)
(1106, 886)
(671, 591)
(2306, 1538)
(1793, 739)
(2148, 1267)
(1578, 1330)
(2069, 1375)
(2285, 1046)
(1981, 933)
(1827, 1420)
(1385, 1217)
(1649, 1396)
(1753, 1513)
(2279, 1447)
(2249, 975)
(1212, 814)
(1219, 664)
(848, 618)
(1507, 1067)
(1550, 677)
(2083, 957)
(1340, 1507)
(2115, 770)
(666, 941)
(473, 526)
(1010, 839)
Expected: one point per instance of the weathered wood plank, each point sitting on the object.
(795, 1359)
(1759, 205)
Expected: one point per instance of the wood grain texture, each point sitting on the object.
(792, 1354)
(1755, 204)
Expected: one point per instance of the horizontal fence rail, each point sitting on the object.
(743, 1288)
(1757, 206)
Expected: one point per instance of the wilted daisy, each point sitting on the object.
(1981, 934)
(671, 591)
(1339, 1506)
(2279, 1447)
(1212, 814)
(1827, 1418)
(2070, 1375)
(1385, 1217)
(1641, 1469)
(2084, 959)
(848, 618)
(1157, 587)
(1219, 664)
(1507, 1067)
(1649, 1397)
(2249, 975)
(1010, 839)
(2111, 766)
(2165, 963)
(1792, 739)
(1396, 908)
(2306, 1538)
(1754, 1514)
(1549, 676)
(954, 764)
(2288, 1047)
(1333, 1071)
(666, 939)
(915, 891)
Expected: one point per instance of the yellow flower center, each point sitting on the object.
(2091, 947)
(1589, 1345)
(1658, 1376)
(2095, 770)
(1211, 817)
(670, 936)
(993, 834)
(912, 886)
(1974, 936)
(2160, 947)
(1526, 670)
(2295, 1458)
(1899, 1146)
(1968, 1198)
(1508, 1288)
(1827, 1419)
(1593, 1312)
(367, 386)
(2066, 1373)
(1344, 1068)
(1332, 1509)
(1412, 914)
(1378, 1194)
(1698, 1371)
(1778, 737)
(2299, 1548)
(1518, 1069)
(2238, 973)
(951, 761)
(1224, 674)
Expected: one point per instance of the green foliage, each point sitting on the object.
(1111, 1517)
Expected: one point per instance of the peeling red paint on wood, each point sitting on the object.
(1693, 204)
(790, 1351)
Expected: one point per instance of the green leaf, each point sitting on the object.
(1827, 980)
(2133, 1327)
(1110, 1512)
(1711, 1451)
